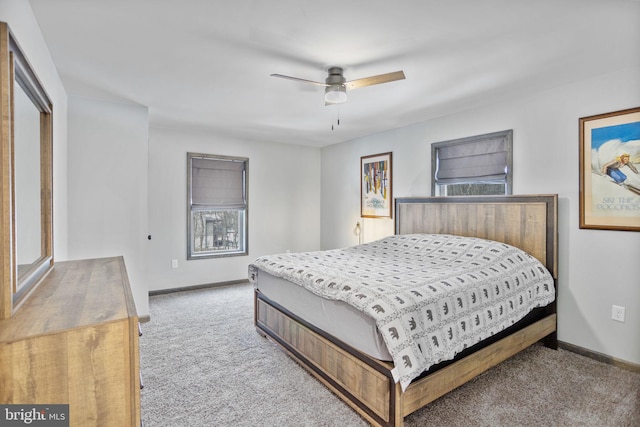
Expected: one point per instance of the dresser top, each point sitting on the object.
(74, 294)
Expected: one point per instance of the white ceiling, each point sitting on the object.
(206, 64)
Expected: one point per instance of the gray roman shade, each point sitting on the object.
(217, 183)
(483, 158)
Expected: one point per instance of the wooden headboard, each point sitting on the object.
(529, 222)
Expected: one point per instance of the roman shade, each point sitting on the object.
(473, 160)
(217, 183)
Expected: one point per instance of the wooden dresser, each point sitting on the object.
(75, 341)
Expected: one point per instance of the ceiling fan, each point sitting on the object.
(336, 85)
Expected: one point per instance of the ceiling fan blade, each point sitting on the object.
(375, 80)
(299, 80)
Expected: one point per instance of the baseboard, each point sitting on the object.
(196, 287)
(610, 360)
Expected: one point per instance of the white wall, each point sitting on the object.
(107, 178)
(597, 268)
(22, 23)
(284, 204)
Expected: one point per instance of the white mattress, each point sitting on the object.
(331, 316)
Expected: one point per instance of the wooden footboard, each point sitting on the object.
(366, 384)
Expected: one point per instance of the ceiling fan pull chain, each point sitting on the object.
(338, 119)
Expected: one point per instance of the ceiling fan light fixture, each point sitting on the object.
(335, 94)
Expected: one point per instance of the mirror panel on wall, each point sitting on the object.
(26, 154)
(26, 204)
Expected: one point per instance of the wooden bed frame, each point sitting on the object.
(366, 384)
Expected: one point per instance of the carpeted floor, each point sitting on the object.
(204, 364)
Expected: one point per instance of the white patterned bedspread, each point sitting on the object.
(431, 295)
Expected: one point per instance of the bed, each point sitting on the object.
(357, 362)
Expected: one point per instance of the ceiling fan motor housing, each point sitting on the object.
(336, 92)
(335, 76)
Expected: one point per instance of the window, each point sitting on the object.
(478, 165)
(217, 211)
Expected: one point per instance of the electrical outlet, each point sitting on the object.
(174, 263)
(617, 313)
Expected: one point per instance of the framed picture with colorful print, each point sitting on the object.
(610, 171)
(376, 200)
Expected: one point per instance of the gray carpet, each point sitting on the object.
(203, 364)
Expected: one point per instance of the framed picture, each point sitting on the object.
(610, 171)
(375, 186)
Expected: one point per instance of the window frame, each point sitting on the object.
(506, 135)
(219, 253)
